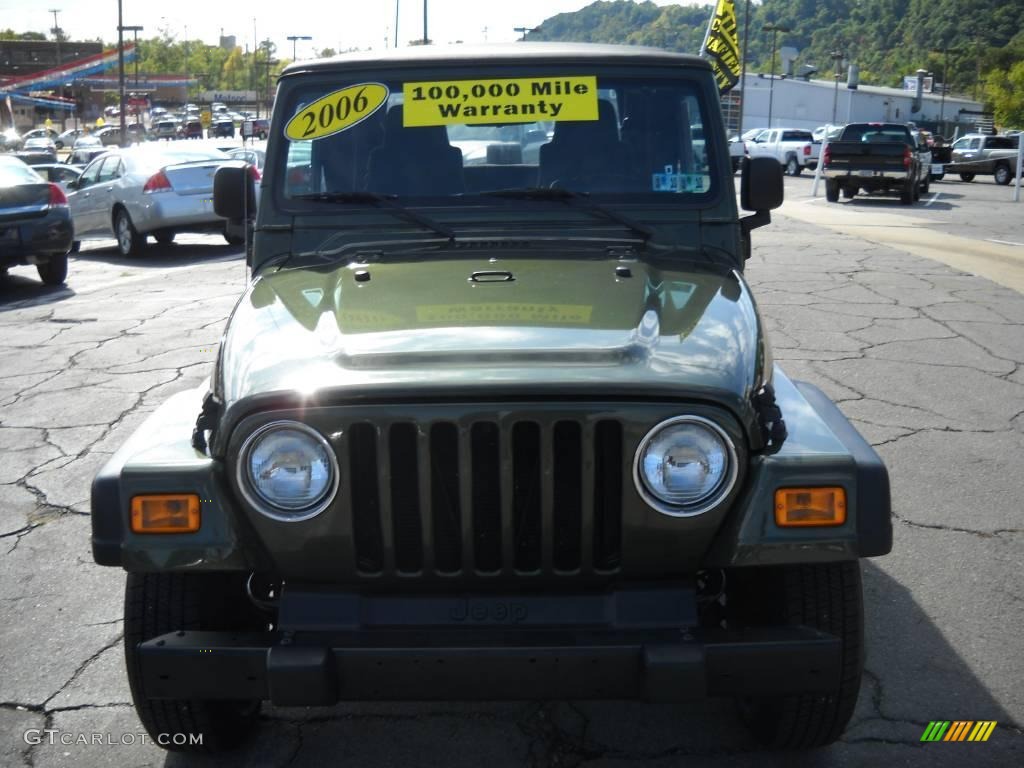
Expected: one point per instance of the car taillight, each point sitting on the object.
(57, 196)
(906, 157)
(826, 155)
(158, 182)
(255, 173)
(807, 149)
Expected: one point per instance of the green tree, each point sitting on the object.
(1004, 91)
(232, 73)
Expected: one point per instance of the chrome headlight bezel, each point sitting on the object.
(265, 506)
(717, 495)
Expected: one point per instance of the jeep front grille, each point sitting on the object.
(484, 498)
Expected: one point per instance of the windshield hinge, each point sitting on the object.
(769, 418)
(208, 419)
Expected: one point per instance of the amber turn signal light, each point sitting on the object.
(165, 513)
(810, 506)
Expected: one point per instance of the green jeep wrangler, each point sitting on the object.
(496, 417)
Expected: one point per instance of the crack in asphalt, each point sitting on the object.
(955, 529)
(81, 668)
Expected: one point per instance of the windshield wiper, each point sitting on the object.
(578, 199)
(385, 203)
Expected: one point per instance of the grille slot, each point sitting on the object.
(487, 497)
(366, 512)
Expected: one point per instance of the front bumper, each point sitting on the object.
(633, 644)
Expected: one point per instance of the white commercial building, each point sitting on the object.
(798, 103)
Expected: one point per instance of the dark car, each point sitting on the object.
(35, 222)
(191, 129)
(255, 128)
(37, 150)
(222, 129)
(492, 424)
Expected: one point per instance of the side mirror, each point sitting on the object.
(761, 187)
(234, 191)
(73, 184)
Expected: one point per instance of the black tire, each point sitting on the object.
(907, 193)
(164, 237)
(129, 241)
(926, 186)
(832, 190)
(262, 135)
(825, 596)
(917, 192)
(158, 603)
(966, 177)
(55, 271)
(793, 166)
(849, 192)
(1002, 174)
(76, 246)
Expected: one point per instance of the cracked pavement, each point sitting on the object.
(927, 362)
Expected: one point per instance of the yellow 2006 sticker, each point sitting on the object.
(508, 100)
(336, 111)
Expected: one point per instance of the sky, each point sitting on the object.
(353, 24)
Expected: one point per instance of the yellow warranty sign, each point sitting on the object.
(336, 111)
(509, 100)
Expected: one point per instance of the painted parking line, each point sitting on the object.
(1003, 242)
(933, 199)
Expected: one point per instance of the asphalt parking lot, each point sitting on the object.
(927, 359)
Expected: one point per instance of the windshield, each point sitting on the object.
(459, 138)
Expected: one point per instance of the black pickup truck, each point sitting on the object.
(875, 157)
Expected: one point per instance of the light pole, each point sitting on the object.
(837, 56)
(57, 32)
(743, 68)
(774, 29)
(396, 23)
(120, 71)
(135, 31)
(524, 31)
(295, 39)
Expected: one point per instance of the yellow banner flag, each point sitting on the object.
(722, 45)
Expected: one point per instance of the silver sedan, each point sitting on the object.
(145, 190)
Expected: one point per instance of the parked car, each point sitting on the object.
(35, 223)
(151, 189)
(165, 129)
(255, 157)
(191, 129)
(495, 440)
(41, 133)
(222, 129)
(67, 138)
(82, 156)
(59, 173)
(10, 140)
(737, 152)
(794, 148)
(38, 150)
(876, 157)
(976, 153)
(256, 128)
(109, 135)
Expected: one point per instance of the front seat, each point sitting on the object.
(414, 161)
(583, 154)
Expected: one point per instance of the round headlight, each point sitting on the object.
(684, 466)
(290, 471)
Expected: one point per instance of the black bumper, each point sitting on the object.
(405, 649)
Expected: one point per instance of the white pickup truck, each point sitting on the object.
(794, 148)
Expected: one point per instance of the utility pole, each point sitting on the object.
(743, 67)
(135, 30)
(268, 64)
(396, 23)
(57, 31)
(837, 57)
(425, 38)
(120, 71)
(774, 29)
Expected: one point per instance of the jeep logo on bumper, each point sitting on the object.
(491, 611)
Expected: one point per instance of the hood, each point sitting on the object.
(485, 327)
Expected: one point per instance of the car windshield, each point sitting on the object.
(464, 137)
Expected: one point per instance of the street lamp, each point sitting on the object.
(774, 29)
(295, 39)
(837, 57)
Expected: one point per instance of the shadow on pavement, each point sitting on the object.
(20, 291)
(914, 676)
(176, 254)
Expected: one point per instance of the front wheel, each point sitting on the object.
(164, 236)
(824, 596)
(55, 271)
(1002, 174)
(158, 603)
(129, 241)
(966, 177)
(832, 190)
